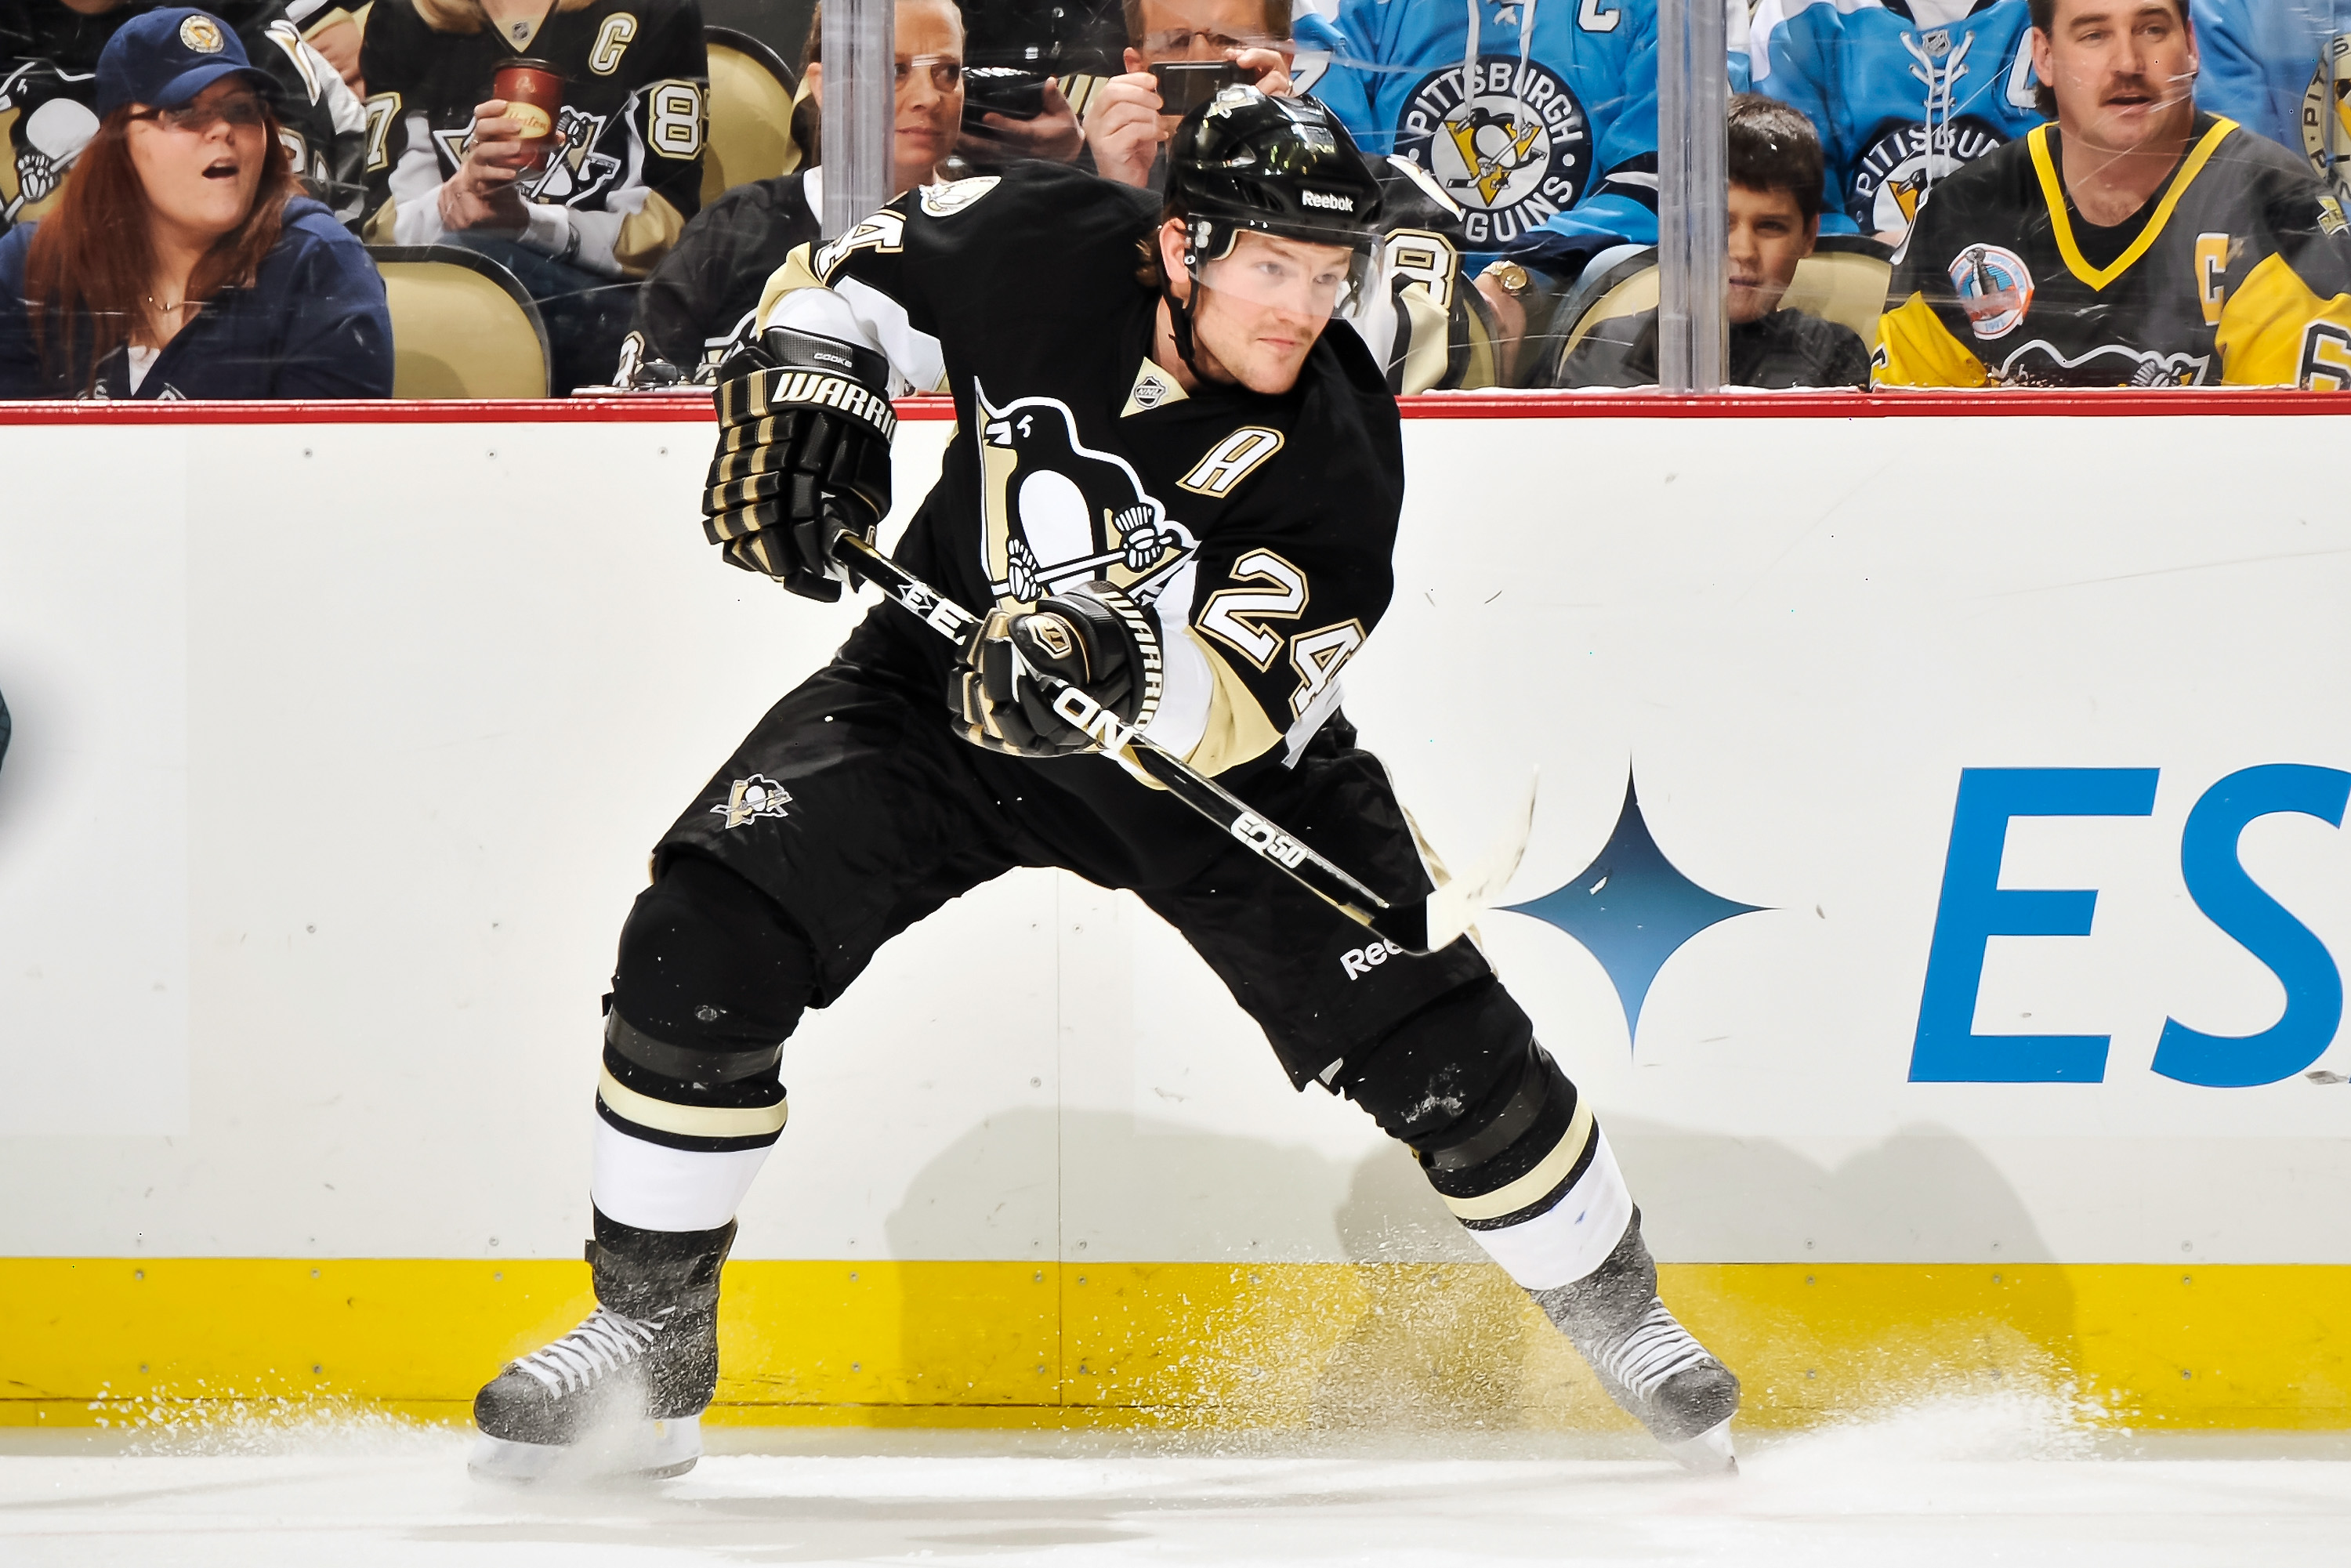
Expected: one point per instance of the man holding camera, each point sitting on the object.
(1427, 326)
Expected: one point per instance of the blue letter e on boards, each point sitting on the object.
(1976, 908)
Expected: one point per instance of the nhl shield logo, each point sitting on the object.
(1995, 289)
(751, 799)
(1515, 151)
(2326, 117)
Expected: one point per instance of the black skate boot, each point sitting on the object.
(624, 1393)
(1646, 1360)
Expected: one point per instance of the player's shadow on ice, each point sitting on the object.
(1416, 1331)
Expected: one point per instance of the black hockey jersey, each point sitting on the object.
(2237, 271)
(1258, 529)
(614, 199)
(48, 66)
(703, 299)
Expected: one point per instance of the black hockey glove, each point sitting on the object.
(1098, 652)
(804, 429)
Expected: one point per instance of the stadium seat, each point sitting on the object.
(461, 325)
(750, 114)
(1843, 280)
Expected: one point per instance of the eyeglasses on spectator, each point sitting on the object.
(199, 118)
(944, 73)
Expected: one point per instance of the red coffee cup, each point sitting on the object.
(532, 92)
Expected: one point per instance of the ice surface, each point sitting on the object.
(1961, 1482)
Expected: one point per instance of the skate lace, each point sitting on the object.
(604, 1342)
(1657, 1348)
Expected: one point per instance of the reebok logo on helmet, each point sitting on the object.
(1329, 202)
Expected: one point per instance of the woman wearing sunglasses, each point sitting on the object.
(182, 260)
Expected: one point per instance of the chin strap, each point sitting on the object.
(1179, 312)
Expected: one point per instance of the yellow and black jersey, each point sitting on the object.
(2237, 272)
(629, 175)
(1258, 528)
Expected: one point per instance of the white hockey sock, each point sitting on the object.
(1569, 1240)
(655, 1187)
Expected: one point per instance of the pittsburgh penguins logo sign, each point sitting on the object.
(1056, 513)
(1514, 151)
(1894, 172)
(2326, 117)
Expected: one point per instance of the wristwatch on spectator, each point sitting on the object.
(1510, 278)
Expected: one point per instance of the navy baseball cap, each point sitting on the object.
(163, 58)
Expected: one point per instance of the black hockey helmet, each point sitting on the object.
(1281, 166)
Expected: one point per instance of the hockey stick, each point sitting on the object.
(1423, 926)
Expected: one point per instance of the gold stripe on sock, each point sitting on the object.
(1536, 1182)
(690, 1121)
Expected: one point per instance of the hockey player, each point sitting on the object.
(700, 305)
(2282, 68)
(1904, 92)
(1175, 490)
(48, 64)
(1428, 326)
(2134, 242)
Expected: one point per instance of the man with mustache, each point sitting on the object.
(2135, 242)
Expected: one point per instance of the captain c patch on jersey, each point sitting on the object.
(1056, 513)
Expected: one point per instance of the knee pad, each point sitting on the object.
(1433, 1071)
(712, 979)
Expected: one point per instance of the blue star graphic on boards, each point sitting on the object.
(1632, 909)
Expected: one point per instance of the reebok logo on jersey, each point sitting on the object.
(1361, 961)
(751, 799)
(1328, 202)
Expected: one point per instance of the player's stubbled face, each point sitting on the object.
(1263, 305)
(2125, 71)
(201, 164)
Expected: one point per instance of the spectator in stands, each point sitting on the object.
(182, 260)
(2135, 242)
(49, 59)
(334, 30)
(1775, 218)
(1904, 92)
(700, 303)
(2282, 68)
(580, 218)
(1127, 128)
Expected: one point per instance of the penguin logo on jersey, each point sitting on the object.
(751, 799)
(1894, 172)
(43, 128)
(1056, 513)
(2326, 117)
(1514, 151)
(577, 171)
(1995, 288)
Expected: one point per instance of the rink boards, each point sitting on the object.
(2017, 730)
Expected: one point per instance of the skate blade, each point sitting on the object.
(646, 1450)
(1709, 1453)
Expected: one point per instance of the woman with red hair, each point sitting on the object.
(182, 260)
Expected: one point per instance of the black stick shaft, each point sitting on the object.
(1405, 924)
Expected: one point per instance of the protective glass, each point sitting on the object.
(944, 73)
(240, 110)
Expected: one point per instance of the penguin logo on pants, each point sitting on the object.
(1056, 513)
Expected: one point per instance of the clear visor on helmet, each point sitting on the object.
(1300, 277)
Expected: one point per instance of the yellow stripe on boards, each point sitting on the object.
(1027, 1344)
(689, 1121)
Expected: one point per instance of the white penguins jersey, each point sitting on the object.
(1256, 530)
